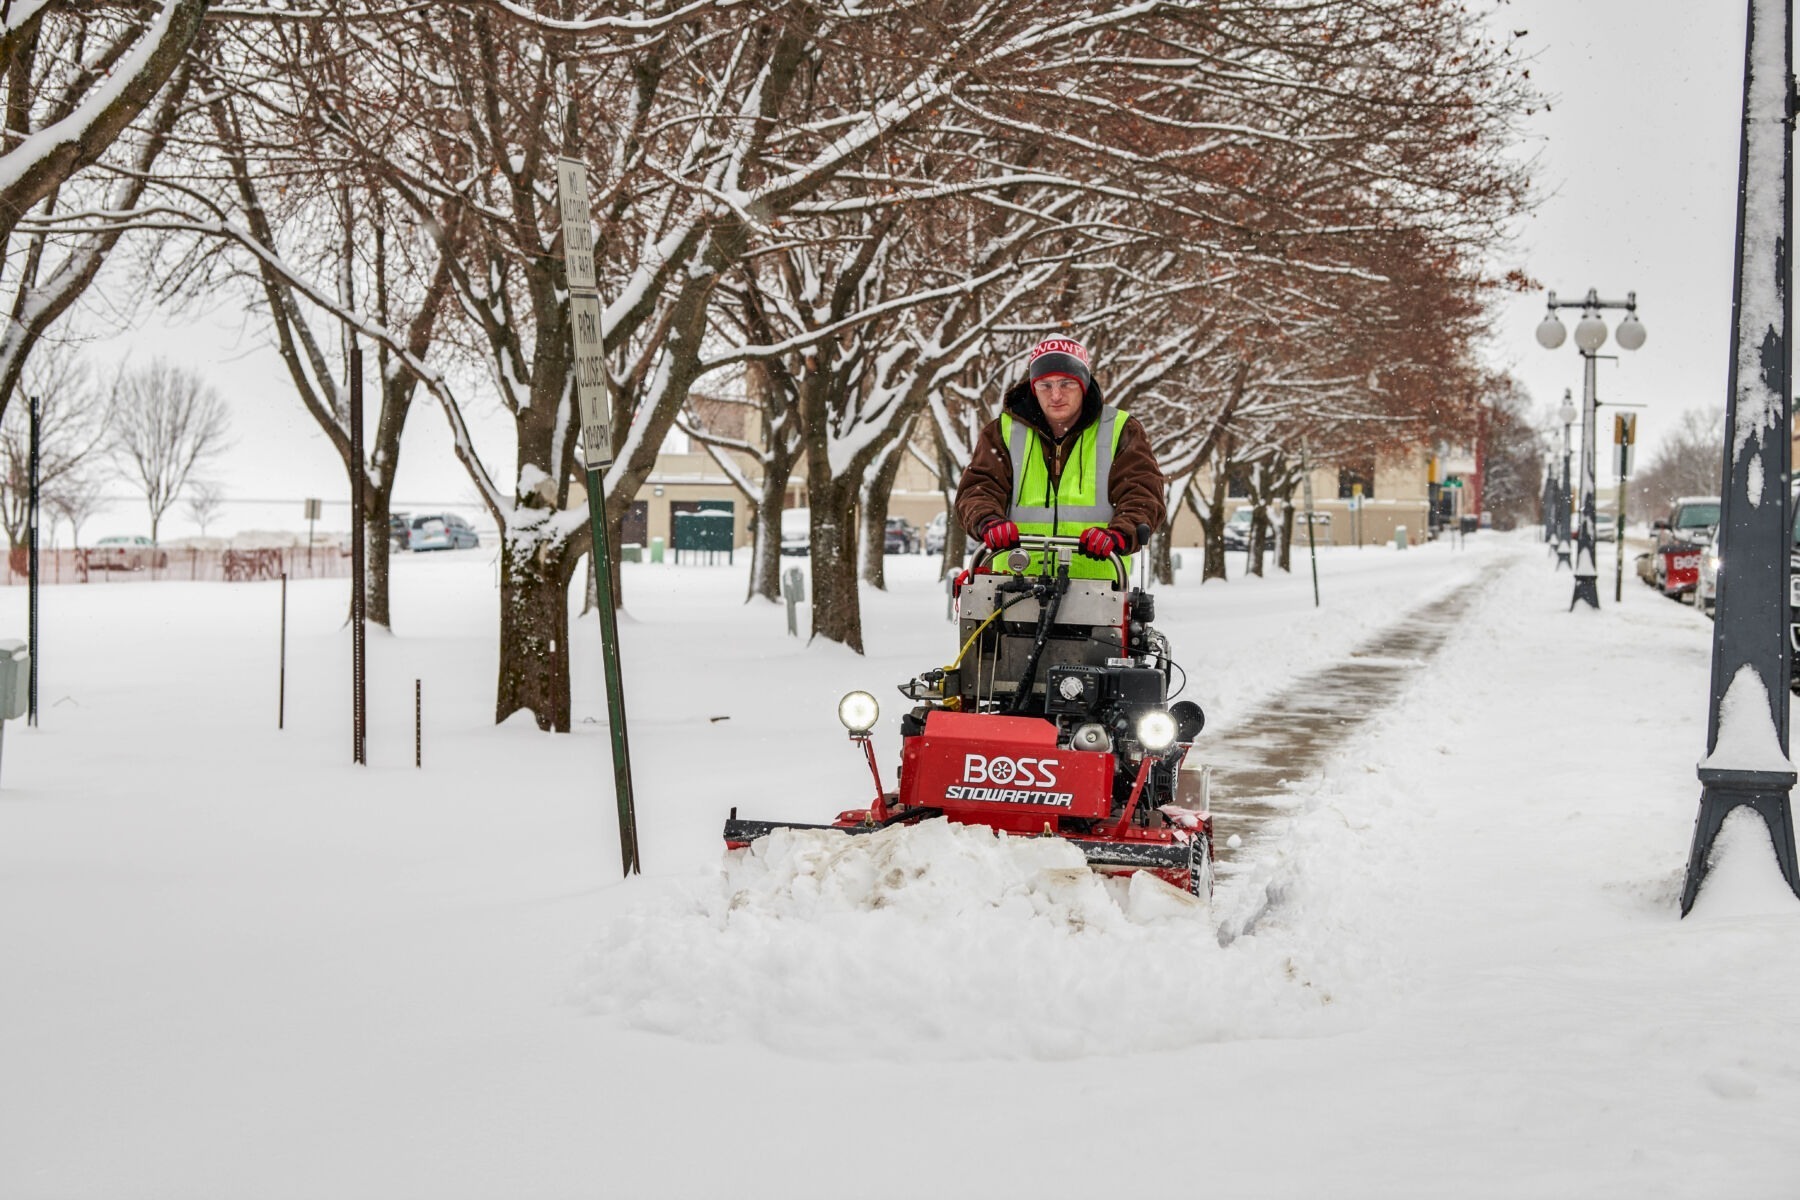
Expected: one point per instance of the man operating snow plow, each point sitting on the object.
(1053, 720)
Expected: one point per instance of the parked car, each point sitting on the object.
(399, 531)
(1237, 529)
(1606, 524)
(796, 531)
(1706, 594)
(1794, 594)
(902, 537)
(1681, 540)
(127, 553)
(441, 531)
(936, 532)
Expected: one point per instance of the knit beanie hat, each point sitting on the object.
(1059, 356)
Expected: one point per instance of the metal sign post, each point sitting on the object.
(31, 710)
(1625, 442)
(596, 452)
(312, 515)
(1312, 545)
(359, 611)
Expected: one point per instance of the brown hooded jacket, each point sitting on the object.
(1136, 488)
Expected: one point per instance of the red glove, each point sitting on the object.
(1101, 543)
(1000, 535)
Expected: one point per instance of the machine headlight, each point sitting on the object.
(859, 712)
(1156, 730)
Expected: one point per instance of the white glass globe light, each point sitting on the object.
(1567, 411)
(1590, 332)
(1630, 333)
(1550, 332)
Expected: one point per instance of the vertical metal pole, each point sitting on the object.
(1751, 664)
(281, 688)
(1312, 545)
(1567, 501)
(615, 686)
(1586, 572)
(418, 723)
(1549, 503)
(31, 582)
(359, 719)
(1619, 545)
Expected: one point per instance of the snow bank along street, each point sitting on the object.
(1449, 963)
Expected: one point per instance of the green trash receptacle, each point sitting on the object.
(15, 679)
(656, 550)
(631, 552)
(1399, 537)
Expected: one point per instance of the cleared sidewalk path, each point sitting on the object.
(1291, 736)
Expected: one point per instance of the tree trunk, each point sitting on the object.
(377, 544)
(876, 489)
(765, 555)
(1285, 559)
(534, 623)
(837, 605)
(1213, 530)
(1161, 555)
(956, 546)
(1162, 558)
(956, 541)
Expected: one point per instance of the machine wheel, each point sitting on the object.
(1200, 867)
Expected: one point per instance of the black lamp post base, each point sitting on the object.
(1585, 589)
(1563, 560)
(1717, 799)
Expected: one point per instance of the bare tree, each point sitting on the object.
(204, 500)
(72, 427)
(1687, 462)
(167, 420)
(74, 501)
(108, 67)
(74, 80)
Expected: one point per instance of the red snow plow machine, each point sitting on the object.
(1054, 720)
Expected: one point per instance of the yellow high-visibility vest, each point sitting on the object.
(1078, 501)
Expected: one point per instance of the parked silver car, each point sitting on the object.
(127, 553)
(935, 533)
(441, 531)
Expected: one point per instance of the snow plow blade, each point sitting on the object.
(1140, 856)
(739, 832)
(1130, 855)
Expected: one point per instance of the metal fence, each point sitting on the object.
(182, 564)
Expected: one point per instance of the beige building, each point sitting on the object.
(1367, 506)
(1394, 492)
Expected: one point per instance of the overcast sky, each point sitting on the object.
(1636, 169)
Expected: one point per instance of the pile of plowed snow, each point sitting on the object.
(940, 941)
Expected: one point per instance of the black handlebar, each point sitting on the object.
(1041, 543)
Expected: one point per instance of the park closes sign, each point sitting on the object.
(590, 380)
(584, 313)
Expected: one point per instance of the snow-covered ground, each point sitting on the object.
(232, 964)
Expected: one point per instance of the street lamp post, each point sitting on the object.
(1747, 763)
(1590, 335)
(1549, 504)
(1567, 413)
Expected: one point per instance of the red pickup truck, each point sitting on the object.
(1681, 541)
